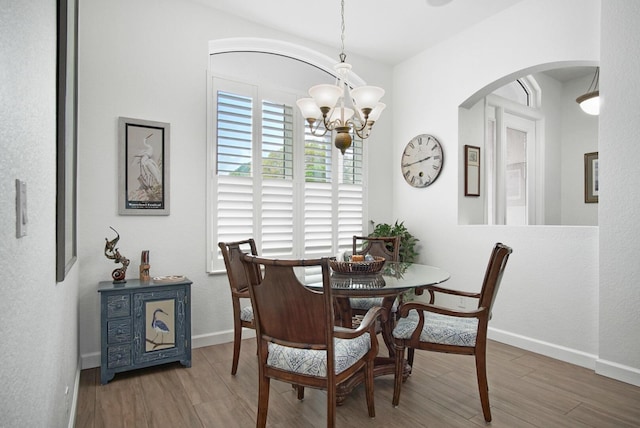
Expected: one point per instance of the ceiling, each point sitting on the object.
(388, 31)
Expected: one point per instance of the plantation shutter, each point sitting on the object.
(234, 194)
(277, 180)
(296, 196)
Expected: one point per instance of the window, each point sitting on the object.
(272, 180)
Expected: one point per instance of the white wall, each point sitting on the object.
(569, 292)
(549, 298)
(471, 209)
(619, 327)
(579, 136)
(568, 134)
(554, 164)
(148, 59)
(143, 67)
(38, 317)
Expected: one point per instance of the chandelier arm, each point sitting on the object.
(360, 125)
(315, 132)
(330, 125)
(363, 115)
(364, 131)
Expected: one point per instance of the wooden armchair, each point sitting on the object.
(297, 340)
(439, 329)
(239, 279)
(387, 247)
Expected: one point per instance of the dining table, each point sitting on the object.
(391, 283)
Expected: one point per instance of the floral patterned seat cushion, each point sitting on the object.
(246, 314)
(438, 328)
(314, 362)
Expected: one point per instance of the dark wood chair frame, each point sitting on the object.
(290, 314)
(486, 298)
(239, 278)
(381, 246)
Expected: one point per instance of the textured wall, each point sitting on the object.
(549, 297)
(148, 59)
(38, 318)
(569, 292)
(619, 215)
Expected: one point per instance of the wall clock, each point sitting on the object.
(422, 160)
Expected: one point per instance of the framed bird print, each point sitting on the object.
(143, 171)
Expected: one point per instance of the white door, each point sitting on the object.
(513, 193)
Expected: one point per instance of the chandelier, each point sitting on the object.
(590, 102)
(341, 108)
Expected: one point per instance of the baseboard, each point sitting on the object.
(627, 374)
(557, 352)
(92, 360)
(74, 400)
(618, 372)
(606, 368)
(219, 338)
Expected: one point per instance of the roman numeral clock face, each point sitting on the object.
(422, 161)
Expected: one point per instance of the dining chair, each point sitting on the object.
(298, 342)
(384, 246)
(239, 280)
(436, 328)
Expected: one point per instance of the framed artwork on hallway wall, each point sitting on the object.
(66, 137)
(591, 177)
(471, 171)
(143, 158)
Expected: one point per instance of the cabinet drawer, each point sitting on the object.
(119, 356)
(119, 331)
(118, 305)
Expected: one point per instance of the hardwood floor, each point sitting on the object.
(526, 390)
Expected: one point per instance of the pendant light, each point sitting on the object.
(590, 102)
(330, 105)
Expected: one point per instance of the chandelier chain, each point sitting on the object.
(343, 56)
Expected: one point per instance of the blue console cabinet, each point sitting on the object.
(144, 324)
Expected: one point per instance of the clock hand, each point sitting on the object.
(418, 161)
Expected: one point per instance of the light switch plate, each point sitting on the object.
(21, 208)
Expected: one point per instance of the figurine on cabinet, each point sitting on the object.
(144, 266)
(112, 253)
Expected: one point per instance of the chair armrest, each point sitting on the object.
(432, 289)
(244, 294)
(404, 309)
(450, 291)
(368, 324)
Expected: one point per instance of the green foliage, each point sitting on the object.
(408, 242)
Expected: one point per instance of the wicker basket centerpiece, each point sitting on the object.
(361, 267)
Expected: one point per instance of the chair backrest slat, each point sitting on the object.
(285, 310)
(493, 275)
(379, 246)
(232, 253)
